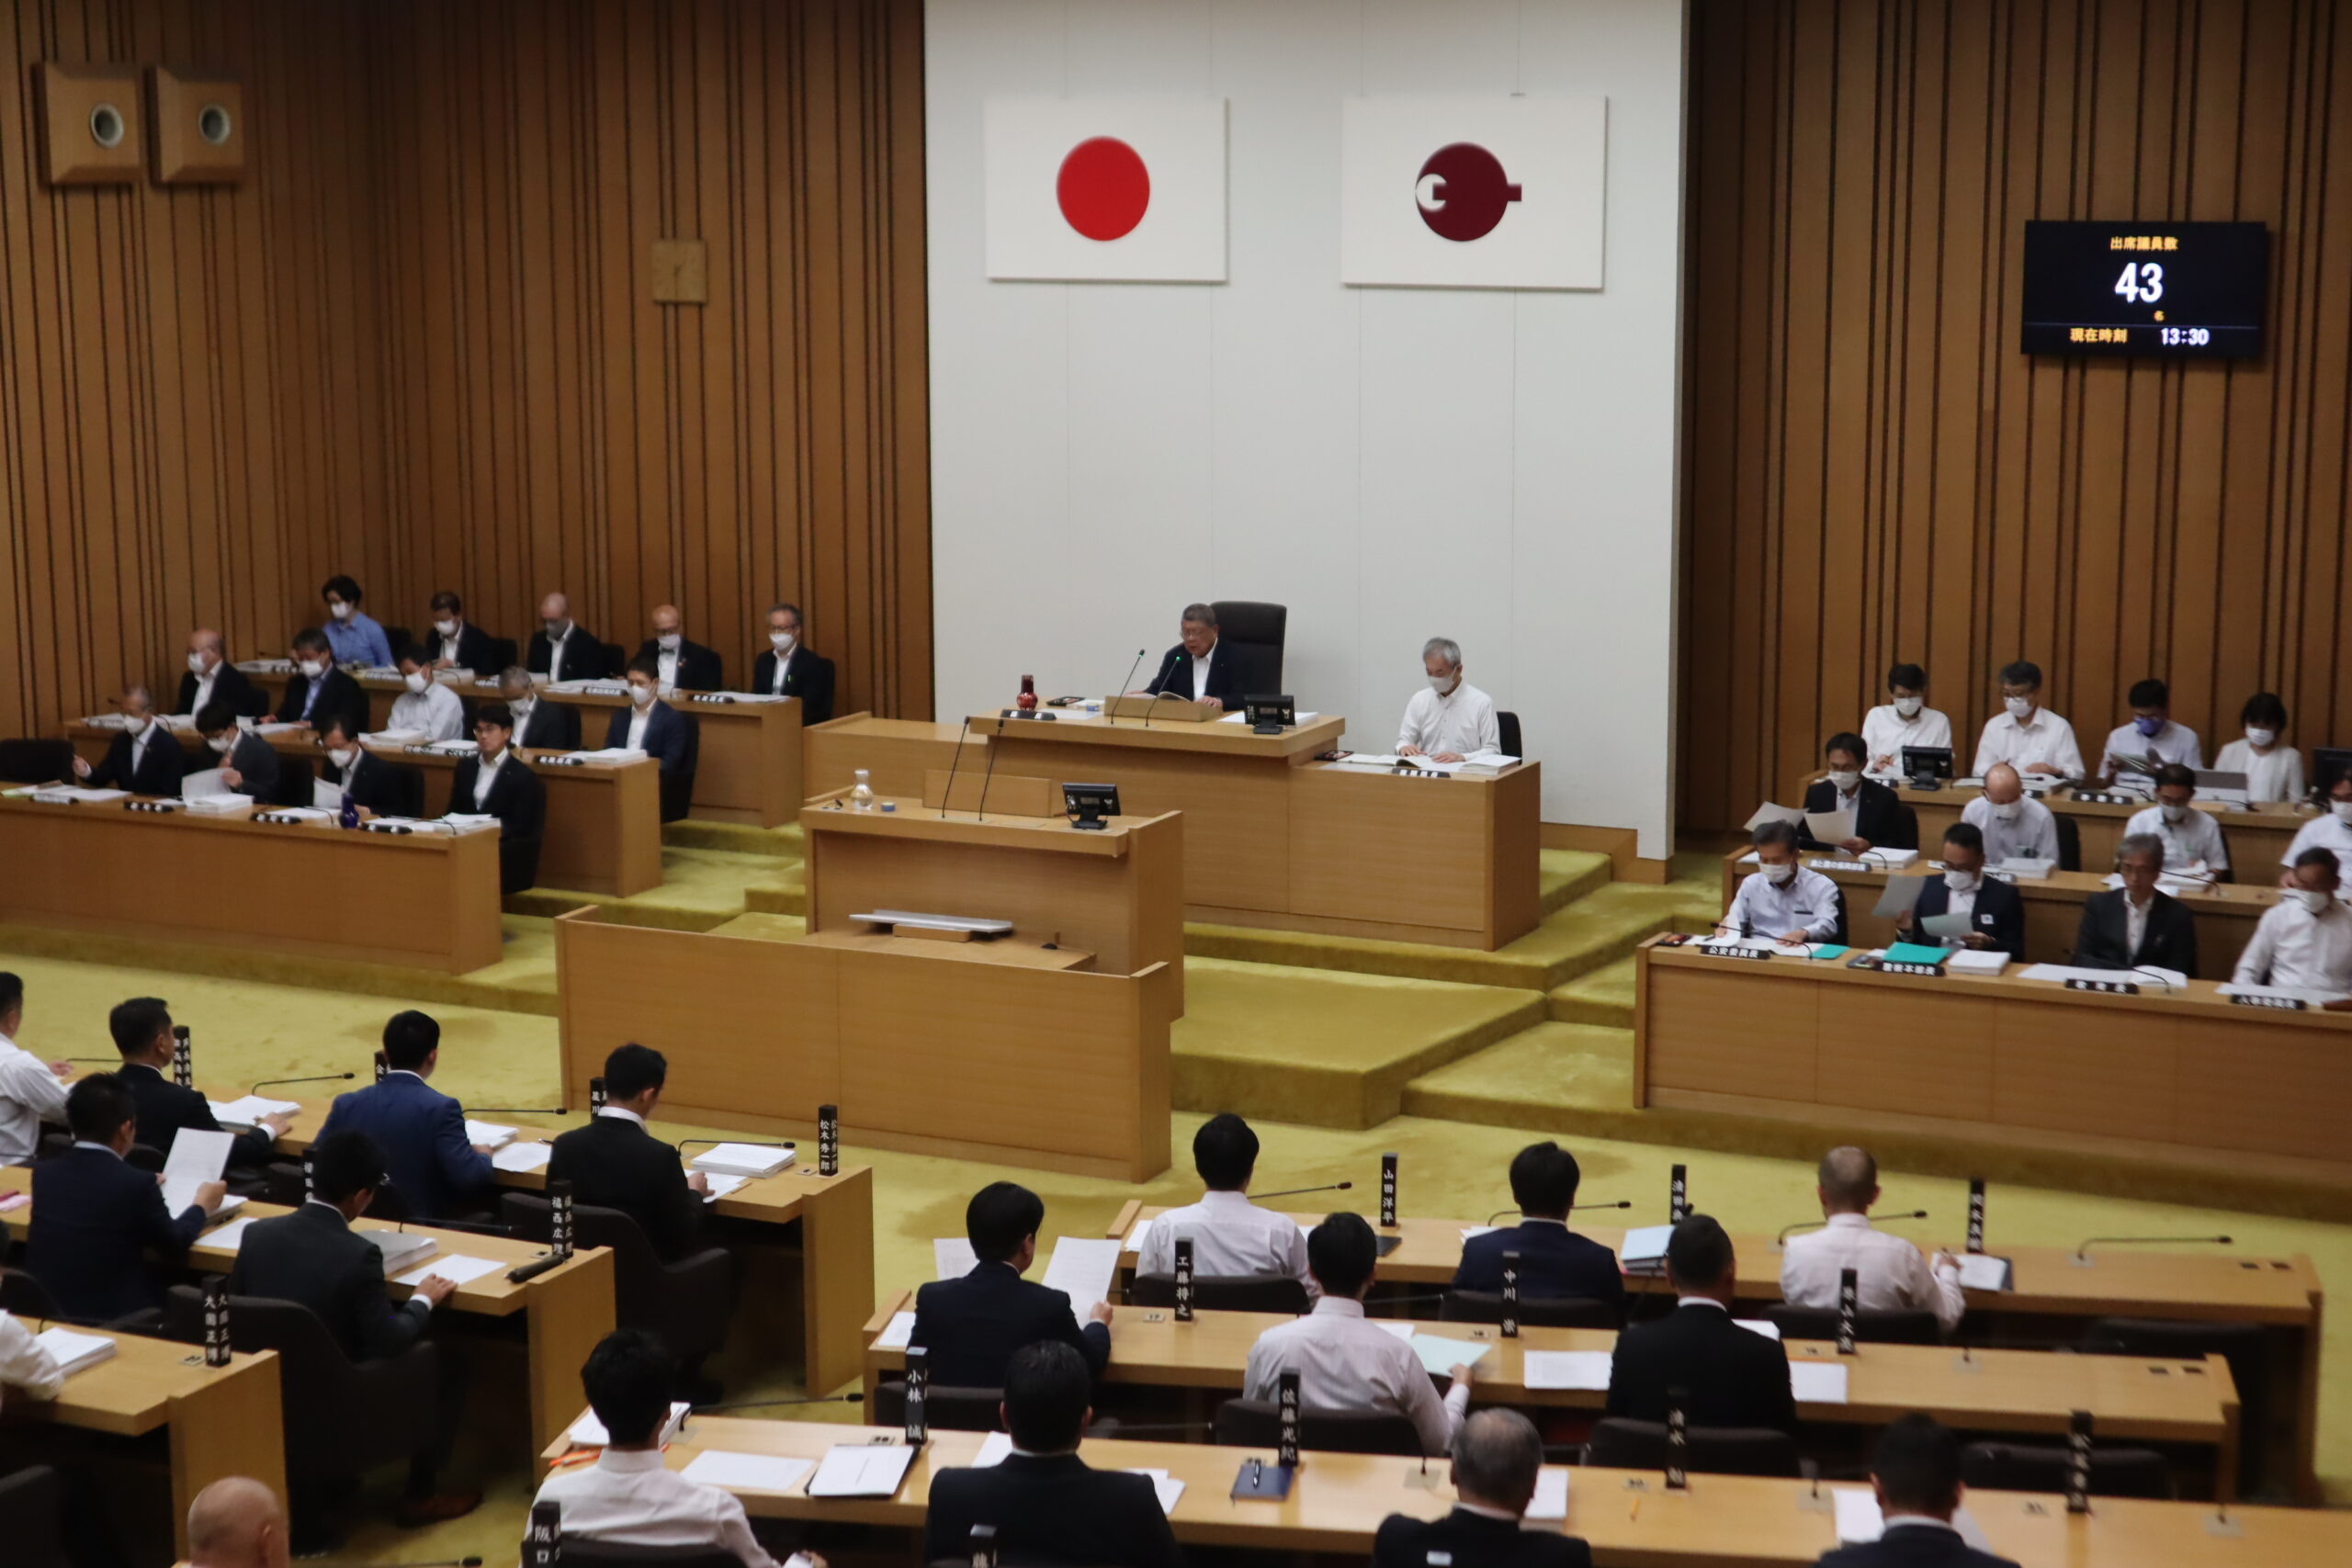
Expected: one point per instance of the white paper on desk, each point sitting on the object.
(994, 1448)
(229, 1237)
(1644, 1244)
(521, 1158)
(1370, 760)
(75, 794)
(1471, 1233)
(1551, 1500)
(952, 1258)
(469, 822)
(1831, 827)
(1894, 859)
(1818, 1383)
(1440, 1355)
(489, 1132)
(611, 754)
(1134, 1238)
(1169, 1488)
(1389, 1326)
(1983, 1272)
(1898, 896)
(458, 1268)
(897, 1334)
(589, 1433)
(1587, 1370)
(718, 1187)
(248, 1111)
(75, 1352)
(392, 737)
(197, 785)
(1970, 961)
(196, 1158)
(1763, 1325)
(746, 1473)
(1768, 812)
(1083, 1269)
(861, 1470)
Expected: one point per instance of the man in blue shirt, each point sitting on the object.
(436, 1173)
(1553, 1261)
(354, 638)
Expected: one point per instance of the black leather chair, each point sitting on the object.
(678, 786)
(1535, 1312)
(36, 760)
(1907, 1326)
(687, 1303)
(32, 1503)
(1256, 630)
(2070, 840)
(1619, 1444)
(2243, 1345)
(1224, 1293)
(1507, 733)
(619, 1554)
(24, 1296)
(1257, 1424)
(2026, 1467)
(956, 1409)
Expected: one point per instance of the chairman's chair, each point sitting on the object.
(1619, 1444)
(1507, 733)
(1257, 1424)
(1256, 631)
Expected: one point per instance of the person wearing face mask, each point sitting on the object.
(317, 690)
(2151, 736)
(560, 650)
(2137, 924)
(2027, 736)
(2014, 826)
(2192, 838)
(210, 677)
(427, 707)
(680, 665)
(2273, 769)
(1784, 900)
(1906, 719)
(649, 724)
(2330, 831)
(354, 638)
(247, 762)
(1449, 718)
(1881, 820)
(496, 783)
(144, 757)
(539, 725)
(368, 782)
(1996, 913)
(1197, 669)
(789, 670)
(2304, 943)
(458, 644)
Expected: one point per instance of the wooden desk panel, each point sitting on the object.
(898, 754)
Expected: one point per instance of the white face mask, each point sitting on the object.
(2315, 899)
(2342, 810)
(135, 725)
(222, 743)
(1443, 684)
(2006, 813)
(2176, 815)
(641, 695)
(669, 642)
(1845, 781)
(416, 679)
(2018, 707)
(314, 667)
(341, 612)
(446, 628)
(782, 641)
(341, 756)
(1780, 875)
(1907, 707)
(1962, 881)
(555, 629)
(522, 705)
(196, 664)
(2261, 740)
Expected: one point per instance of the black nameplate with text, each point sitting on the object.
(2105, 988)
(2276, 1004)
(1713, 951)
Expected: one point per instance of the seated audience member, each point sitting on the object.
(1554, 1263)
(539, 725)
(162, 1109)
(1048, 1508)
(614, 1162)
(1891, 1275)
(2304, 941)
(1915, 1473)
(317, 690)
(789, 670)
(237, 1522)
(2330, 831)
(1784, 900)
(649, 724)
(210, 677)
(31, 1091)
(2192, 838)
(26, 1363)
(1906, 719)
(622, 1493)
(2138, 924)
(2273, 769)
(2015, 826)
(1230, 1234)
(1448, 719)
(1197, 669)
(427, 707)
(366, 780)
(457, 644)
(971, 1327)
(248, 763)
(2027, 736)
(559, 649)
(2151, 736)
(96, 1217)
(143, 758)
(1729, 1375)
(1881, 821)
(494, 782)
(680, 665)
(1344, 1362)
(434, 1170)
(1497, 1457)
(350, 634)
(1996, 913)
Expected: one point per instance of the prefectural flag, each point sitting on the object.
(1124, 190)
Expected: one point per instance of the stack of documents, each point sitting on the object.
(1551, 1500)
(108, 721)
(577, 688)
(742, 1159)
(74, 1353)
(1970, 961)
(394, 737)
(1644, 1250)
(1584, 1369)
(522, 1157)
(2028, 869)
(74, 795)
(1983, 1272)
(589, 1433)
(1818, 1383)
(401, 1248)
(488, 1134)
(610, 754)
(228, 803)
(453, 748)
(248, 1111)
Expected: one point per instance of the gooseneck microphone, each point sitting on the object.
(515, 1111)
(954, 762)
(445, 1563)
(1788, 1231)
(322, 1077)
(980, 809)
(1580, 1208)
(2082, 1253)
(779, 1404)
(1296, 1191)
(1122, 690)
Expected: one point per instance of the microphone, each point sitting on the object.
(1409, 1301)
(445, 1563)
(1620, 1203)
(1296, 1191)
(851, 1398)
(1126, 1430)
(752, 1143)
(515, 1111)
(1122, 690)
(980, 811)
(1156, 698)
(523, 1273)
(472, 1227)
(2082, 1253)
(322, 1077)
(1788, 1231)
(954, 762)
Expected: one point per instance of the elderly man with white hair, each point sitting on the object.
(1452, 718)
(144, 757)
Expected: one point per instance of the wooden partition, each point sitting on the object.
(896, 754)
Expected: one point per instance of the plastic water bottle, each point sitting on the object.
(861, 795)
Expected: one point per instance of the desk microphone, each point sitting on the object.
(1122, 690)
(322, 1077)
(1296, 1191)
(515, 1111)
(1126, 1430)
(1156, 698)
(1788, 1231)
(2082, 1253)
(980, 811)
(1573, 1208)
(954, 762)
(749, 1142)
(1408, 1301)
(523, 1273)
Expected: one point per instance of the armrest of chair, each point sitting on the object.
(711, 1269)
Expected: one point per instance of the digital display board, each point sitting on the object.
(2146, 289)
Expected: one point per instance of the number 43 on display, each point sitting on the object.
(2141, 283)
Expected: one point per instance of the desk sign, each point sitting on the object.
(1183, 1279)
(2106, 798)
(1511, 1295)
(2105, 988)
(1713, 951)
(543, 1537)
(1678, 1193)
(216, 1320)
(1977, 1215)
(183, 1058)
(1891, 966)
(829, 1140)
(2279, 1004)
(1863, 867)
(1388, 1191)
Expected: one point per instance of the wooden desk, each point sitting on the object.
(937, 1055)
(1273, 838)
(898, 754)
(222, 1421)
(425, 900)
(2258, 838)
(2226, 913)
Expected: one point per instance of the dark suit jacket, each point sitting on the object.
(806, 676)
(229, 685)
(1912, 1546)
(699, 668)
(1879, 815)
(423, 1135)
(474, 650)
(1553, 1261)
(1050, 1511)
(613, 1163)
(1473, 1541)
(2169, 943)
(165, 1110)
(1226, 678)
(2000, 912)
(519, 800)
(552, 726)
(971, 1327)
(256, 762)
(158, 772)
(665, 733)
(338, 693)
(94, 1220)
(313, 1258)
(1731, 1376)
(584, 657)
(370, 782)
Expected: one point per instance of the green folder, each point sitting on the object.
(1831, 949)
(1916, 953)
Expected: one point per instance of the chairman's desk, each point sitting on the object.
(1338, 1501)
(2257, 837)
(429, 900)
(1273, 838)
(2225, 913)
(898, 754)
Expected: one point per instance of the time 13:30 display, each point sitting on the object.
(2144, 287)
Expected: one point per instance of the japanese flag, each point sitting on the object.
(1122, 189)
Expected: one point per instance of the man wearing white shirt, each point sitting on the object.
(31, 1091)
(1230, 1236)
(1345, 1362)
(143, 758)
(2192, 837)
(1449, 719)
(2151, 736)
(2014, 826)
(427, 707)
(2331, 830)
(1784, 900)
(2027, 736)
(2304, 943)
(25, 1363)
(1904, 720)
(1890, 1274)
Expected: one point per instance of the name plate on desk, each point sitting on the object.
(1854, 865)
(1894, 965)
(2278, 1004)
(154, 806)
(1712, 950)
(565, 761)
(2106, 798)
(710, 697)
(2106, 987)
(1411, 772)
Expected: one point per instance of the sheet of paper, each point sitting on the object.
(1967, 961)
(1440, 1354)
(1946, 927)
(861, 1470)
(489, 1132)
(1169, 1488)
(1831, 827)
(993, 1450)
(74, 1351)
(743, 1159)
(1401, 1330)
(1898, 896)
(897, 1334)
(951, 1258)
(239, 1114)
(229, 1237)
(197, 1157)
(456, 1267)
(533, 1155)
(1551, 1501)
(1469, 1232)
(1083, 1269)
(1983, 1272)
(1818, 1383)
(326, 797)
(198, 785)
(589, 1433)
(1587, 1370)
(1645, 1244)
(1858, 1522)
(746, 1473)
(1768, 812)
(719, 1186)
(1763, 1325)
(1135, 1236)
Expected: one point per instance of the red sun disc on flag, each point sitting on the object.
(1103, 188)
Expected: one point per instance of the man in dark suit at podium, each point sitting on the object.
(1728, 1376)
(1996, 913)
(789, 670)
(1553, 1261)
(1198, 669)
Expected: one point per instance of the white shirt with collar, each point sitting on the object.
(434, 710)
(556, 646)
(638, 718)
(449, 643)
(1462, 721)
(1808, 903)
(29, 1095)
(24, 1363)
(204, 684)
(2272, 775)
(1201, 671)
(2196, 838)
(521, 708)
(1346, 1362)
(1230, 1236)
(622, 1113)
(1885, 732)
(1959, 903)
(2173, 743)
(487, 776)
(2293, 948)
(2031, 832)
(139, 744)
(630, 1498)
(1891, 1275)
(665, 663)
(2326, 832)
(2045, 738)
(783, 664)
(2135, 923)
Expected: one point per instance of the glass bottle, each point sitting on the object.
(861, 795)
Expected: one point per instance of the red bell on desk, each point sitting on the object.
(1028, 698)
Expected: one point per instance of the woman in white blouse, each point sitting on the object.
(2273, 769)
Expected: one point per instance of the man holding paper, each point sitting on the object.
(164, 1110)
(1784, 900)
(2014, 826)
(96, 1217)
(1873, 816)
(2137, 925)
(365, 781)
(1890, 1274)
(1497, 1458)
(615, 1162)
(1729, 1376)
(1448, 719)
(970, 1326)
(1962, 908)
(2192, 838)
(248, 765)
(2152, 736)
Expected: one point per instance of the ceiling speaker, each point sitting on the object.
(90, 123)
(200, 129)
